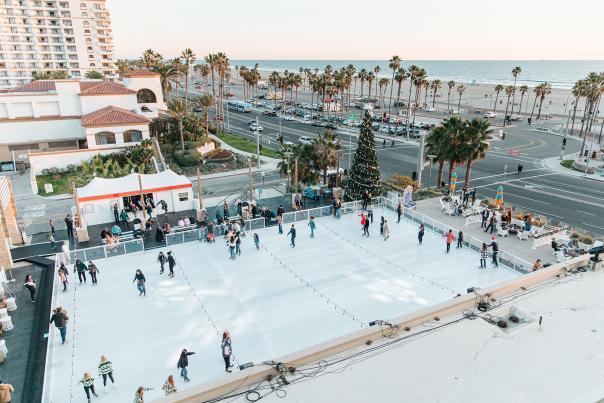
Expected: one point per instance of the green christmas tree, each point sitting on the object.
(364, 173)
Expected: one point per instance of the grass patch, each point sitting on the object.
(246, 145)
(60, 184)
(569, 165)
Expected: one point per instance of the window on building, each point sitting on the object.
(23, 147)
(183, 196)
(133, 136)
(145, 96)
(104, 138)
(83, 6)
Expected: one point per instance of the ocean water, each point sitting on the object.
(559, 73)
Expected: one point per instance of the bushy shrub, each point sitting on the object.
(588, 240)
(187, 158)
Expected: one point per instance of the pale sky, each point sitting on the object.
(354, 29)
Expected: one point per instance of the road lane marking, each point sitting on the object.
(575, 199)
(590, 225)
(513, 180)
(495, 175)
(585, 212)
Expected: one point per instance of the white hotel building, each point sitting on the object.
(46, 35)
(85, 116)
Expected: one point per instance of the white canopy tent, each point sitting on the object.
(97, 198)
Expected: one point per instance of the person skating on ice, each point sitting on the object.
(312, 225)
(227, 350)
(386, 230)
(88, 382)
(382, 225)
(450, 237)
(370, 209)
(231, 244)
(60, 320)
(139, 277)
(93, 271)
(292, 233)
(484, 255)
(139, 396)
(63, 273)
(420, 233)
(495, 248)
(366, 227)
(183, 363)
(256, 241)
(171, 263)
(80, 268)
(459, 239)
(161, 259)
(106, 371)
(237, 245)
(399, 211)
(169, 387)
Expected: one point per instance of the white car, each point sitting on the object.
(288, 144)
(429, 109)
(289, 117)
(454, 112)
(490, 115)
(256, 127)
(306, 121)
(305, 140)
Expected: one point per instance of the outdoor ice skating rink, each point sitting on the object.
(273, 301)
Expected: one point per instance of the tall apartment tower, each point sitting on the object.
(49, 35)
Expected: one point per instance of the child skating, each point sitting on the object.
(88, 382)
(256, 241)
(312, 225)
(106, 371)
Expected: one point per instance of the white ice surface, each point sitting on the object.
(269, 310)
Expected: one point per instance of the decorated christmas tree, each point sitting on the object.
(364, 173)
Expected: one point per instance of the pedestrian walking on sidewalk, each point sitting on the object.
(93, 270)
(491, 225)
(51, 239)
(124, 220)
(520, 169)
(459, 239)
(161, 259)
(106, 371)
(80, 268)
(30, 284)
(116, 214)
(237, 244)
(171, 263)
(370, 210)
(450, 237)
(88, 382)
(484, 254)
(366, 227)
(420, 233)
(69, 225)
(183, 363)
(52, 226)
(292, 233)
(227, 350)
(231, 245)
(312, 225)
(60, 320)
(139, 277)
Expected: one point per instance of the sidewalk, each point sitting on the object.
(511, 245)
(553, 164)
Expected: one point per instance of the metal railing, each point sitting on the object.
(105, 251)
(475, 244)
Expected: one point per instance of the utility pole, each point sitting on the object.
(420, 160)
(199, 190)
(257, 143)
(296, 175)
(140, 185)
(249, 161)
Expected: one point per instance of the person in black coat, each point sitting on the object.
(171, 264)
(116, 214)
(292, 232)
(495, 247)
(183, 363)
(420, 233)
(485, 216)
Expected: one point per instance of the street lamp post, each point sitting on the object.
(431, 157)
(420, 160)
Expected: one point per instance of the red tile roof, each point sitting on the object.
(36, 86)
(140, 73)
(111, 116)
(103, 88)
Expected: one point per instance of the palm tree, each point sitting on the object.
(273, 79)
(401, 75)
(523, 90)
(450, 84)
(94, 75)
(498, 89)
(426, 84)
(189, 57)
(515, 72)
(475, 137)
(436, 84)
(460, 91)
(454, 128)
(167, 74)
(394, 64)
(370, 77)
(413, 72)
(509, 91)
(178, 110)
(546, 89)
(362, 77)
(376, 71)
(437, 144)
(383, 84)
(211, 60)
(327, 150)
(151, 59)
(205, 102)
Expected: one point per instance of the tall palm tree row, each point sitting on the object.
(515, 73)
(435, 86)
(451, 85)
(541, 91)
(205, 102)
(188, 58)
(523, 90)
(510, 90)
(460, 90)
(498, 89)
(167, 75)
(400, 77)
(394, 64)
(177, 110)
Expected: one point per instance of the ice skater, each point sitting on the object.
(169, 387)
(366, 227)
(63, 273)
(256, 241)
(237, 244)
(227, 350)
(312, 225)
(450, 236)
(370, 210)
(495, 248)
(280, 224)
(93, 271)
(484, 254)
(106, 370)
(171, 263)
(420, 233)
(492, 224)
(80, 268)
(399, 211)
(139, 277)
(30, 284)
(161, 259)
(231, 244)
(183, 363)
(292, 233)
(139, 396)
(385, 230)
(459, 239)
(60, 320)
(88, 382)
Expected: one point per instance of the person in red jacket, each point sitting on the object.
(450, 238)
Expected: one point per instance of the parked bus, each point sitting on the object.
(240, 106)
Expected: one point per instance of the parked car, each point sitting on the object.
(454, 112)
(331, 126)
(197, 109)
(490, 115)
(306, 121)
(288, 117)
(256, 127)
(305, 140)
(429, 109)
(269, 113)
(318, 124)
(229, 94)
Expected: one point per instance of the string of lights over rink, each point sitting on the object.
(274, 301)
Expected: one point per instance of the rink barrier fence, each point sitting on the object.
(505, 258)
(52, 337)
